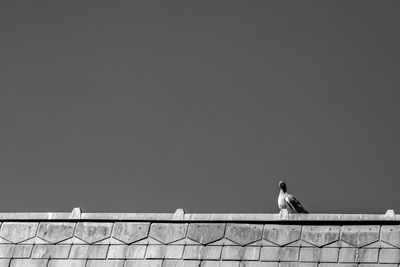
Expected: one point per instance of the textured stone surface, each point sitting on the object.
(29, 263)
(319, 254)
(220, 264)
(130, 232)
(164, 252)
(93, 232)
(5, 262)
(143, 263)
(55, 232)
(126, 252)
(258, 264)
(17, 232)
(202, 252)
(282, 234)
(67, 263)
(320, 235)
(350, 255)
(279, 254)
(6, 250)
(88, 251)
(50, 251)
(244, 234)
(168, 232)
(360, 235)
(240, 253)
(79, 243)
(389, 256)
(179, 263)
(102, 263)
(22, 251)
(205, 233)
(391, 234)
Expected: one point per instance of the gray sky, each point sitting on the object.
(148, 107)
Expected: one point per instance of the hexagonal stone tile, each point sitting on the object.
(55, 232)
(320, 235)
(130, 232)
(205, 233)
(391, 234)
(244, 234)
(281, 234)
(17, 232)
(360, 235)
(93, 232)
(168, 232)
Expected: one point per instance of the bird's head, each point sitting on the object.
(282, 186)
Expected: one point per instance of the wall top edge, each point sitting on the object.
(179, 215)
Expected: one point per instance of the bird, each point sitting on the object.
(288, 201)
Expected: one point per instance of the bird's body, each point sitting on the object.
(288, 201)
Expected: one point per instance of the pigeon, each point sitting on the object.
(288, 201)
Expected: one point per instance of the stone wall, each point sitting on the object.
(253, 240)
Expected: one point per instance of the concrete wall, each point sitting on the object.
(76, 239)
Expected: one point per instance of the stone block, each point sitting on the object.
(337, 265)
(319, 254)
(67, 263)
(220, 264)
(93, 232)
(135, 252)
(6, 250)
(168, 232)
(55, 232)
(22, 251)
(116, 252)
(360, 235)
(88, 251)
(143, 263)
(164, 252)
(28, 263)
(320, 235)
(206, 233)
(5, 262)
(389, 255)
(126, 251)
(105, 263)
(244, 234)
(202, 252)
(258, 264)
(279, 254)
(391, 234)
(350, 255)
(281, 234)
(181, 263)
(130, 232)
(240, 253)
(17, 232)
(298, 264)
(50, 251)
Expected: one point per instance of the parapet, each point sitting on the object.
(177, 239)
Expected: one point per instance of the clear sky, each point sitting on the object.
(151, 106)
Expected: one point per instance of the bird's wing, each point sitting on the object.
(295, 204)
